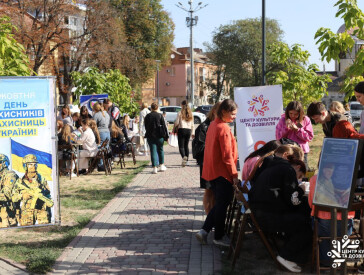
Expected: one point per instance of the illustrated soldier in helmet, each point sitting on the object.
(33, 190)
(8, 209)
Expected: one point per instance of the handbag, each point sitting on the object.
(173, 140)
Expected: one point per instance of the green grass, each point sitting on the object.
(38, 248)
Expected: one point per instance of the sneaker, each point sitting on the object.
(155, 170)
(73, 175)
(162, 168)
(201, 236)
(140, 154)
(224, 242)
(291, 266)
(184, 161)
(361, 268)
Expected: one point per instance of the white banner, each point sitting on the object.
(260, 109)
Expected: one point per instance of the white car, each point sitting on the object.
(172, 111)
(355, 110)
(74, 108)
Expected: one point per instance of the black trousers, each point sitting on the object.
(183, 140)
(297, 229)
(223, 191)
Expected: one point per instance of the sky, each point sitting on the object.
(299, 19)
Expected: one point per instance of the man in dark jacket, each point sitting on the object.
(277, 202)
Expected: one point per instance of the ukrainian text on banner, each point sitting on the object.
(28, 176)
(90, 100)
(260, 109)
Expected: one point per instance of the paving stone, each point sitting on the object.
(148, 228)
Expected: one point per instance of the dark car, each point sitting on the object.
(203, 109)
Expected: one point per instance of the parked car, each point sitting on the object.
(171, 114)
(203, 109)
(355, 110)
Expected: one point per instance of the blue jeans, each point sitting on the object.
(324, 230)
(103, 136)
(156, 151)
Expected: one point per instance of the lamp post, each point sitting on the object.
(157, 84)
(191, 21)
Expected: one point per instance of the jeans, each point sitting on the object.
(156, 151)
(183, 140)
(103, 136)
(324, 230)
(223, 191)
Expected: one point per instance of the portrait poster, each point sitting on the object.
(28, 160)
(90, 100)
(336, 176)
(259, 110)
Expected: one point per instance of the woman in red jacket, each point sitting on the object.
(219, 168)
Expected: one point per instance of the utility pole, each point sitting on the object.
(263, 42)
(191, 21)
(157, 84)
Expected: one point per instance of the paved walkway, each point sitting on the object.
(148, 228)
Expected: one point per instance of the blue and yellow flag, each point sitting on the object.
(18, 151)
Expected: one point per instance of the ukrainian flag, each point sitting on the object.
(18, 151)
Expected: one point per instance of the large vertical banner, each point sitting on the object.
(260, 109)
(28, 160)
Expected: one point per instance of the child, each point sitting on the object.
(296, 126)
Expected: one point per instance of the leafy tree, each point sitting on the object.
(112, 83)
(299, 80)
(333, 45)
(149, 32)
(13, 60)
(236, 50)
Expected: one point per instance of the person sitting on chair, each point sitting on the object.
(276, 201)
(89, 146)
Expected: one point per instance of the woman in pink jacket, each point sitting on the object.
(295, 126)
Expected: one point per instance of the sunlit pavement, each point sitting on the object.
(149, 228)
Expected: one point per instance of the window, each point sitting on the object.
(66, 20)
(173, 71)
(75, 21)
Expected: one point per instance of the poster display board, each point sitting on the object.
(260, 109)
(90, 100)
(28, 160)
(338, 167)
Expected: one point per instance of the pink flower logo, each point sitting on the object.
(258, 105)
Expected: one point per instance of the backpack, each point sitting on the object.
(198, 143)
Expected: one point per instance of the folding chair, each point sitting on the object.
(101, 154)
(69, 149)
(241, 222)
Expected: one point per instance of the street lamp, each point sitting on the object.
(157, 84)
(191, 21)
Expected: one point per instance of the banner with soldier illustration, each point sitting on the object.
(28, 176)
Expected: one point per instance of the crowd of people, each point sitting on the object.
(279, 200)
(103, 125)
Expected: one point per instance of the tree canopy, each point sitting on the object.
(13, 60)
(333, 45)
(112, 83)
(236, 50)
(299, 79)
(149, 32)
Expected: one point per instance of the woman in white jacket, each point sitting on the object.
(89, 146)
(185, 125)
(143, 114)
